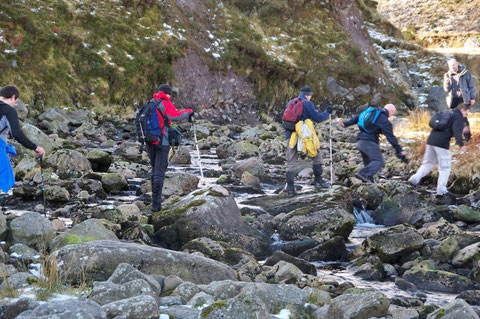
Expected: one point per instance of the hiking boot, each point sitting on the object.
(319, 184)
(364, 178)
(318, 181)
(290, 189)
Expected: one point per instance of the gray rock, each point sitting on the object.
(179, 184)
(32, 229)
(126, 273)
(22, 110)
(392, 243)
(244, 150)
(66, 309)
(454, 310)
(362, 305)
(24, 253)
(335, 89)
(18, 280)
(108, 212)
(180, 312)
(225, 289)
(472, 297)
(250, 180)
(253, 165)
(439, 230)
(69, 163)
(209, 213)
(367, 268)
(56, 193)
(284, 272)
(425, 276)
(170, 301)
(436, 99)
(402, 313)
(10, 310)
(114, 182)
(105, 294)
(54, 120)
(133, 308)
(181, 156)
(466, 255)
(6, 271)
(201, 299)
(361, 91)
(100, 160)
(331, 250)
(89, 230)
(97, 260)
(3, 225)
(303, 265)
(39, 138)
(186, 290)
(317, 296)
(245, 306)
(171, 282)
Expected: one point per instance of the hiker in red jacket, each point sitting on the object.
(158, 151)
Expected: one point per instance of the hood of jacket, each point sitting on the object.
(161, 95)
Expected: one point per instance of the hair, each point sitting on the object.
(463, 106)
(451, 61)
(9, 91)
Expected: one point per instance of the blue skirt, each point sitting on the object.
(7, 179)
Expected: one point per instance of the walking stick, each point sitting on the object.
(43, 187)
(331, 160)
(198, 152)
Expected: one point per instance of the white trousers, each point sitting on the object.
(435, 155)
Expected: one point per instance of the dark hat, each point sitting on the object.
(166, 89)
(306, 90)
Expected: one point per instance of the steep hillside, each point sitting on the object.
(223, 54)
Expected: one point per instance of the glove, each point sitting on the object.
(190, 117)
(403, 159)
(329, 110)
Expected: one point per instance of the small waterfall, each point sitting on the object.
(277, 242)
(363, 217)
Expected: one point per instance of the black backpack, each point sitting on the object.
(440, 121)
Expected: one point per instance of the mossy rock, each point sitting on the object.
(466, 214)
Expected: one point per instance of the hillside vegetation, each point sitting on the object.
(93, 54)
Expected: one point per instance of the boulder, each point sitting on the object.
(466, 214)
(391, 244)
(179, 312)
(467, 256)
(472, 297)
(212, 213)
(243, 150)
(100, 160)
(179, 184)
(285, 273)
(70, 308)
(446, 250)
(367, 268)
(69, 163)
(331, 250)
(439, 229)
(303, 265)
(26, 169)
(114, 182)
(55, 121)
(253, 165)
(18, 280)
(22, 110)
(24, 253)
(362, 305)
(97, 260)
(181, 156)
(3, 225)
(250, 180)
(106, 292)
(186, 290)
(56, 193)
(369, 195)
(436, 99)
(89, 230)
(108, 212)
(39, 138)
(402, 313)
(31, 229)
(454, 310)
(246, 306)
(126, 273)
(425, 276)
(10, 310)
(296, 247)
(133, 308)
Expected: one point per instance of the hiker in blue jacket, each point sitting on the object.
(9, 123)
(309, 112)
(368, 143)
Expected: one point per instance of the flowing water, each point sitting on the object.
(327, 271)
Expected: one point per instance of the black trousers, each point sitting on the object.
(159, 161)
(455, 102)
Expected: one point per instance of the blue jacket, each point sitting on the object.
(381, 126)
(309, 112)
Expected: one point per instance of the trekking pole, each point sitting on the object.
(331, 160)
(198, 152)
(43, 187)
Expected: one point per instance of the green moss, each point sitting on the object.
(217, 305)
(203, 191)
(215, 194)
(75, 239)
(440, 314)
(193, 203)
